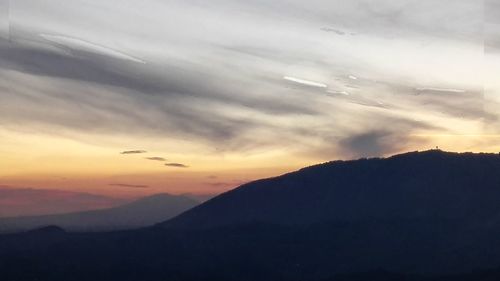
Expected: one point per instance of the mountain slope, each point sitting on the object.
(143, 212)
(430, 185)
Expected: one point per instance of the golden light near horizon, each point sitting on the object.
(44, 161)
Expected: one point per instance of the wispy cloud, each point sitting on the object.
(83, 45)
(5, 19)
(129, 185)
(177, 165)
(156, 158)
(336, 31)
(305, 82)
(431, 89)
(133, 152)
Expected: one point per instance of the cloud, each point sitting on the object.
(183, 80)
(225, 89)
(305, 82)
(4, 19)
(82, 45)
(438, 90)
(492, 11)
(372, 143)
(457, 103)
(178, 165)
(133, 152)
(39, 58)
(141, 96)
(156, 158)
(330, 29)
(129, 185)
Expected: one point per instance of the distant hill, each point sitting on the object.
(22, 201)
(431, 185)
(140, 213)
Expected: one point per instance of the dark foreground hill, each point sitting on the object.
(251, 252)
(140, 213)
(429, 216)
(431, 186)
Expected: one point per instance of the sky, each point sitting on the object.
(128, 98)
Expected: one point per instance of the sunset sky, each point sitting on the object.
(128, 98)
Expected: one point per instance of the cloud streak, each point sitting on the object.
(82, 45)
(176, 165)
(305, 82)
(156, 158)
(129, 185)
(133, 152)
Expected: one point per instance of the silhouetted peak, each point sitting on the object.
(51, 229)
(431, 154)
(432, 184)
(161, 198)
(441, 154)
(158, 196)
(142, 212)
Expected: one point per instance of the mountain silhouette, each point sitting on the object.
(429, 215)
(140, 213)
(50, 229)
(429, 185)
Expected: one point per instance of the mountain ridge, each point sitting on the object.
(421, 180)
(139, 213)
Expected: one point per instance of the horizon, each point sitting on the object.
(93, 102)
(9, 208)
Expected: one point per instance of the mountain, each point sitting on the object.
(143, 212)
(430, 185)
(429, 215)
(18, 201)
